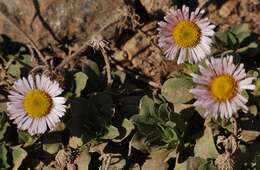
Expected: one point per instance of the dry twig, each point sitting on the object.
(139, 77)
(73, 55)
(32, 42)
(108, 68)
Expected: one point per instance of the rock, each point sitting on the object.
(136, 44)
(146, 56)
(153, 6)
(53, 21)
(202, 2)
(227, 8)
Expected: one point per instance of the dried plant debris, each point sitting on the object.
(129, 85)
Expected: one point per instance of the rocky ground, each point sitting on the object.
(60, 28)
(129, 25)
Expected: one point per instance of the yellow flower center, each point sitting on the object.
(37, 103)
(223, 87)
(186, 34)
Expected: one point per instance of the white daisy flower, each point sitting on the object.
(34, 105)
(219, 87)
(185, 36)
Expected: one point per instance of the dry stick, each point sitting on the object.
(27, 37)
(234, 123)
(9, 63)
(73, 55)
(108, 68)
(108, 161)
(138, 77)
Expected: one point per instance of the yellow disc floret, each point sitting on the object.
(223, 87)
(37, 103)
(186, 34)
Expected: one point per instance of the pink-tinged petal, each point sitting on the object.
(229, 109)
(174, 51)
(59, 100)
(31, 82)
(19, 87)
(219, 67)
(182, 56)
(247, 81)
(42, 127)
(201, 79)
(26, 84)
(38, 81)
(26, 125)
(15, 106)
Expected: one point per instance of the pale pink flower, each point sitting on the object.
(185, 36)
(33, 104)
(219, 87)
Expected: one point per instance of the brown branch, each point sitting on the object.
(108, 68)
(234, 123)
(26, 36)
(73, 55)
(139, 77)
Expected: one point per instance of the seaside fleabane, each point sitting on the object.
(185, 36)
(33, 104)
(219, 87)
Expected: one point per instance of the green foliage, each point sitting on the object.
(91, 118)
(158, 124)
(18, 155)
(176, 90)
(26, 139)
(3, 156)
(205, 146)
(105, 122)
(232, 38)
(81, 81)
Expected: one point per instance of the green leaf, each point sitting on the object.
(253, 109)
(26, 138)
(205, 146)
(232, 40)
(3, 156)
(138, 142)
(51, 148)
(18, 156)
(241, 31)
(86, 119)
(81, 81)
(120, 75)
(178, 120)
(176, 90)
(240, 28)
(92, 71)
(221, 38)
(15, 70)
(128, 127)
(3, 125)
(155, 122)
(112, 132)
(250, 50)
(164, 112)
(146, 106)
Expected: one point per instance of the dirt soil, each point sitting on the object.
(129, 25)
